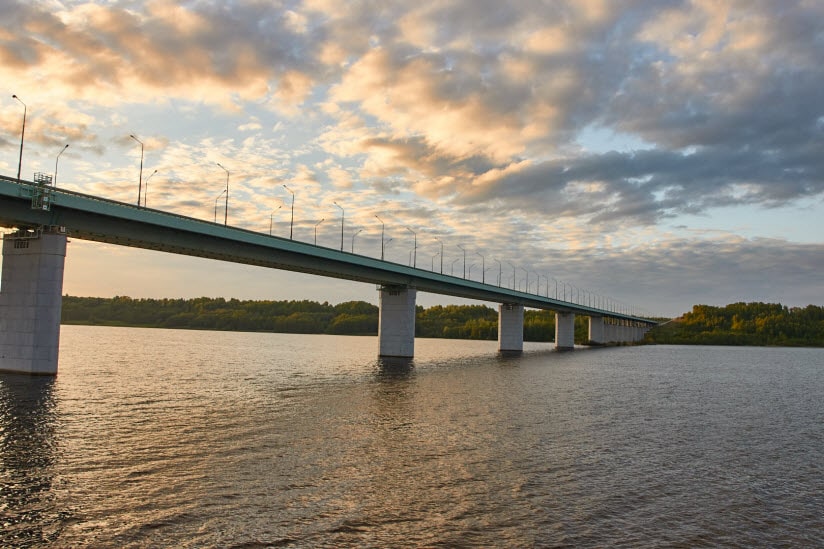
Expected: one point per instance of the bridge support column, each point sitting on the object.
(611, 332)
(596, 330)
(30, 302)
(510, 328)
(564, 331)
(396, 322)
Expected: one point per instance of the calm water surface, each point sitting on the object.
(160, 438)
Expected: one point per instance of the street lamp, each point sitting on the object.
(54, 183)
(140, 177)
(415, 248)
(500, 271)
(441, 241)
(514, 278)
(316, 230)
(146, 189)
(216, 199)
(389, 241)
(353, 239)
(432, 266)
(342, 216)
(292, 222)
(464, 259)
(452, 267)
(271, 215)
(383, 227)
(527, 278)
(22, 135)
(226, 207)
(483, 268)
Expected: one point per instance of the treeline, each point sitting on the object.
(745, 324)
(481, 322)
(203, 313)
(305, 317)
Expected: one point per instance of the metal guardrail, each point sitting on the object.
(105, 220)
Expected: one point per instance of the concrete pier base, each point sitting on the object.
(510, 328)
(30, 302)
(596, 330)
(564, 331)
(396, 322)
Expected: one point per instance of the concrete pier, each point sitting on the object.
(396, 322)
(30, 301)
(564, 331)
(596, 330)
(510, 328)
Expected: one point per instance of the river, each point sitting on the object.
(170, 438)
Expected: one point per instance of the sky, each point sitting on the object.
(660, 153)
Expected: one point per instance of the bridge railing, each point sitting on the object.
(77, 200)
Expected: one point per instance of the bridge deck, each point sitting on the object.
(92, 218)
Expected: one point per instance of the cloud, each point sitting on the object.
(202, 51)
(471, 120)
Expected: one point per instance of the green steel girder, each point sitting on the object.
(91, 218)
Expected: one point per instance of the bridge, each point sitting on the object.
(44, 216)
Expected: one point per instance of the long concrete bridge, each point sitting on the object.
(43, 216)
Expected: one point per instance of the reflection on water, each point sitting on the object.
(153, 438)
(394, 367)
(28, 452)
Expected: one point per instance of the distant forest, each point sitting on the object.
(745, 324)
(303, 317)
(735, 324)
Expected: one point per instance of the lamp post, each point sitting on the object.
(146, 189)
(342, 217)
(514, 278)
(271, 215)
(316, 230)
(414, 248)
(140, 177)
(441, 241)
(483, 268)
(66, 146)
(500, 271)
(432, 266)
(292, 221)
(22, 135)
(389, 241)
(353, 239)
(216, 199)
(452, 267)
(464, 259)
(469, 270)
(226, 207)
(383, 231)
